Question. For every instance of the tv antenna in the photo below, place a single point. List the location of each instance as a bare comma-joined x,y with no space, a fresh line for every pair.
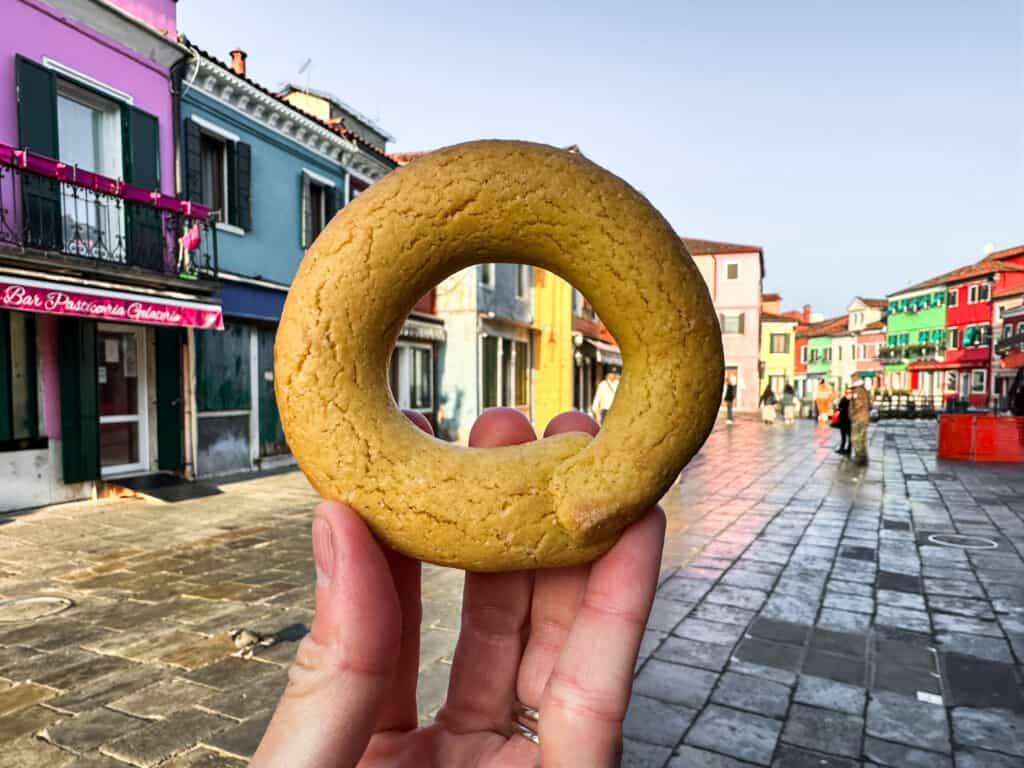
307,65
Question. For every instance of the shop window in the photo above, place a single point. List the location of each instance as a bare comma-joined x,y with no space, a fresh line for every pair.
318,205
978,381
952,298
19,418
412,377
780,343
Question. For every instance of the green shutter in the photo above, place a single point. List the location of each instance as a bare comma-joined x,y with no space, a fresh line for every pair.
79,399
169,422
6,417
222,369
141,133
242,186
193,161
37,108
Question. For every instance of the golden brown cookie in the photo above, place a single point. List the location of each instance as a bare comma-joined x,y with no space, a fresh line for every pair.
557,501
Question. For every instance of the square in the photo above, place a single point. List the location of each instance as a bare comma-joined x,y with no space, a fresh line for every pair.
769,654
839,668
740,734
824,730
752,694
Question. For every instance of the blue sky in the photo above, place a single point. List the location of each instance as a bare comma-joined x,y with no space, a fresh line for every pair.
864,145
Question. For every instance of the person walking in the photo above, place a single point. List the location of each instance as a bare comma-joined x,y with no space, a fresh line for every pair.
843,423
860,417
768,403
823,400
789,404
605,395
730,397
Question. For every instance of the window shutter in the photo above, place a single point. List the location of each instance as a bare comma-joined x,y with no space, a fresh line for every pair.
305,212
193,162
37,108
168,398
742,317
141,133
243,186
79,399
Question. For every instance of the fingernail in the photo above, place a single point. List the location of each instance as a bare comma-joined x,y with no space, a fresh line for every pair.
323,551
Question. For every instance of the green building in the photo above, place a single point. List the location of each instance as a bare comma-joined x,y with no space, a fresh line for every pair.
915,330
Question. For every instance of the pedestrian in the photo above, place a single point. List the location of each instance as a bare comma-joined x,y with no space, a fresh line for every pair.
789,404
351,697
605,395
768,403
843,422
860,417
823,400
730,397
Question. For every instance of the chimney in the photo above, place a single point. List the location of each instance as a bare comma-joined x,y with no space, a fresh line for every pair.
807,313
238,57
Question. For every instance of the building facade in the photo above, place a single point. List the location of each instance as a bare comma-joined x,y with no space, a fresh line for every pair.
1008,334
865,320
778,342
915,327
488,355
734,275
104,273
554,366
595,353
274,175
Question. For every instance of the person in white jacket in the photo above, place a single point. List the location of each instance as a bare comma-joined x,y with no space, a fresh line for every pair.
605,395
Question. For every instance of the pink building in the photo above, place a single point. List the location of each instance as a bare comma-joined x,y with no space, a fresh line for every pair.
734,274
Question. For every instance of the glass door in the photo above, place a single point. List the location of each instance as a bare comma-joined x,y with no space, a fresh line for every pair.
121,373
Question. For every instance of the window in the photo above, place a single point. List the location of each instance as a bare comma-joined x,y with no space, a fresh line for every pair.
505,378
356,187
19,419
839,353
978,293
972,335
577,303
828,355
985,334
218,169
486,272
522,281
922,337
951,298
893,306
214,158
732,271
978,380
1007,330
954,338
522,357
1020,328
732,324
780,343
412,377
892,340
815,355
938,297
904,339
937,336
951,381
983,292
319,204
803,355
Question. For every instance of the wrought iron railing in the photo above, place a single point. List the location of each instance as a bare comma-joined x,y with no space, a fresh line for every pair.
1010,344
51,207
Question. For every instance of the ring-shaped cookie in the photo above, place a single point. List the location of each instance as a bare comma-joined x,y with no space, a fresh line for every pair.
557,501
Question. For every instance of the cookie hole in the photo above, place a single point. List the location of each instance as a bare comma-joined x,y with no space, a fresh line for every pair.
502,335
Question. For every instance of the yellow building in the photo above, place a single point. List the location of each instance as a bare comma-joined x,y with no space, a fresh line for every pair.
553,350
778,340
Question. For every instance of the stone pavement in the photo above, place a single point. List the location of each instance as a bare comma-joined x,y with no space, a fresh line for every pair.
805,617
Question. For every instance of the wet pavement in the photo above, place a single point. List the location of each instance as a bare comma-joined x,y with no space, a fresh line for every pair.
810,613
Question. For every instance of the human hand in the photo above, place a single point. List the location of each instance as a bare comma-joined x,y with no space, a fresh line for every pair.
563,641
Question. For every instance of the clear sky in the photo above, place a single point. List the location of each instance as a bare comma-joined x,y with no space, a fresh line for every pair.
864,145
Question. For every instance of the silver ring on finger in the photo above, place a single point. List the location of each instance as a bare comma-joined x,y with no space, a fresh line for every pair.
525,721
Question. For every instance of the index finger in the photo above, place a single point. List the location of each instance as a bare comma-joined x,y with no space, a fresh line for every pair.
587,695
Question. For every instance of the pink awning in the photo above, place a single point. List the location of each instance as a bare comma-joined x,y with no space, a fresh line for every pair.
28,295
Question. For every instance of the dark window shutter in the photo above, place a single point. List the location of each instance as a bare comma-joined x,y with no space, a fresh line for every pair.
193,162
742,316
79,399
305,212
6,417
37,108
142,148
243,186
168,398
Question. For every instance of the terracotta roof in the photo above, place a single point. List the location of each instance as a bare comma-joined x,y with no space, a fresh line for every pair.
1007,253
878,325
874,303
768,317
713,247
334,126
1007,290
771,297
987,266
404,158
829,327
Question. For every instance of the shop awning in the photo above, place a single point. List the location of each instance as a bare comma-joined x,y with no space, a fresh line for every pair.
421,330
1013,360
84,300
939,365
604,353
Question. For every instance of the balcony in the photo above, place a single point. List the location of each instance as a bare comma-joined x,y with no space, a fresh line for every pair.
912,353
1010,344
61,217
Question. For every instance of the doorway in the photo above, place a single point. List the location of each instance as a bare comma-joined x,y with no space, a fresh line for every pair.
124,420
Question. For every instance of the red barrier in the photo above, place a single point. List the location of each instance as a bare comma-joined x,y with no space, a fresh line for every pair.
981,437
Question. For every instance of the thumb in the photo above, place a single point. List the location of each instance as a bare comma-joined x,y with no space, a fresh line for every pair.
343,668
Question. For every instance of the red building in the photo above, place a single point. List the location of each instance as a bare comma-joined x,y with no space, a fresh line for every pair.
967,362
